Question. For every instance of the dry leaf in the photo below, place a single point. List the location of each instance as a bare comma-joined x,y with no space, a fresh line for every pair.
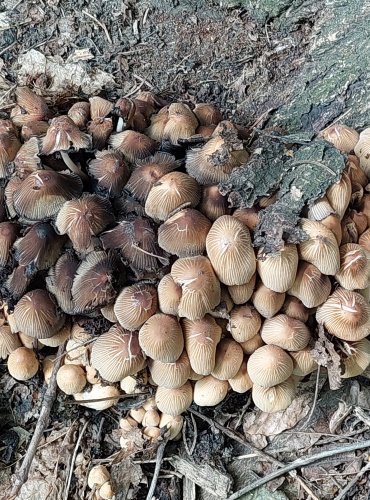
339,416
50,488
325,355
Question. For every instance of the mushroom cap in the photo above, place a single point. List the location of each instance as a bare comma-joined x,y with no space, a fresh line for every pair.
269,365
173,424
311,287
181,123
294,308
339,194
109,314
213,204
273,399
22,363
240,294
37,128
321,247
169,295
248,216
71,379
333,223
341,136
135,304
201,338
303,362
117,354
98,391
245,322
36,314
83,218
285,332
358,359
30,107
9,341
229,357
60,281
174,401
40,247
98,475
252,344
241,382
161,338
79,112
110,170
170,192
184,233
364,240
42,194
355,172
18,281
230,251
354,272
207,114
149,171
93,285
134,145
157,124
63,134
210,391
8,234
27,160
266,301
278,272
170,375
201,290
100,130
320,209
58,338
345,314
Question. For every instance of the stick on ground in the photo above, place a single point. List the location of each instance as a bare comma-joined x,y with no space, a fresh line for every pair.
158,463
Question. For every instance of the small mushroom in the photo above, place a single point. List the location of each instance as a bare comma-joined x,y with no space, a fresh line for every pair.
22,363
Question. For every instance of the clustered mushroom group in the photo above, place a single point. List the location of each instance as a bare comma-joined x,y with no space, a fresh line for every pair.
113,211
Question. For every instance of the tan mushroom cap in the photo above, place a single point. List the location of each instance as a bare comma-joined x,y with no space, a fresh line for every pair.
358,359
9,341
278,272
201,290
184,234
36,314
230,251
269,365
303,362
117,354
320,209
201,339
210,391
59,338
109,314
172,191
242,382
333,223
248,216
245,322
71,379
341,136
213,205
134,145
285,332
242,293
106,491
266,301
135,305
229,357
161,338
354,272
169,295
170,375
98,475
311,287
339,194
346,314
252,344
355,172
294,308
22,363
274,399
106,393
181,123
173,424
321,247
79,113
174,401
207,114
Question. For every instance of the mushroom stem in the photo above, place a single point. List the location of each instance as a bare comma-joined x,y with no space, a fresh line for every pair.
72,166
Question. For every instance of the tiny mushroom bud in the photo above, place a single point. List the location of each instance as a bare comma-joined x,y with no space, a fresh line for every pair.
22,363
71,379
101,397
98,475
173,424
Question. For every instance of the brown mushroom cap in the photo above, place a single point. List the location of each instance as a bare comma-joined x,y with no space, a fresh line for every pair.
30,107
210,391
303,362
273,399
161,338
170,375
240,294
339,194
341,136
174,401
278,272
346,314
22,363
241,382
354,272
36,315
266,301
80,113
27,160
58,338
110,170
252,344
133,145
294,308
229,357
269,365
8,235
117,354
355,172
135,304
310,286
158,122
60,280
172,191
207,114
71,379
184,234
321,247
213,204
332,222
9,341
63,134
285,332
358,358
201,290
230,251
181,122
169,295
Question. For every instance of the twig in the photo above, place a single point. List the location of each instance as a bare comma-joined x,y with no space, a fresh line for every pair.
314,399
99,23
21,476
301,462
353,481
158,463
70,472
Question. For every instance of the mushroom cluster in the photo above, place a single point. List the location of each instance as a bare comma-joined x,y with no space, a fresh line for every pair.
111,215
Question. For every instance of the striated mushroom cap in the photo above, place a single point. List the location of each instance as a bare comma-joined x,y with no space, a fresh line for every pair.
174,401
245,322
285,332
274,399
269,365
229,357
170,375
310,286
278,272
210,391
354,271
135,304
161,338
